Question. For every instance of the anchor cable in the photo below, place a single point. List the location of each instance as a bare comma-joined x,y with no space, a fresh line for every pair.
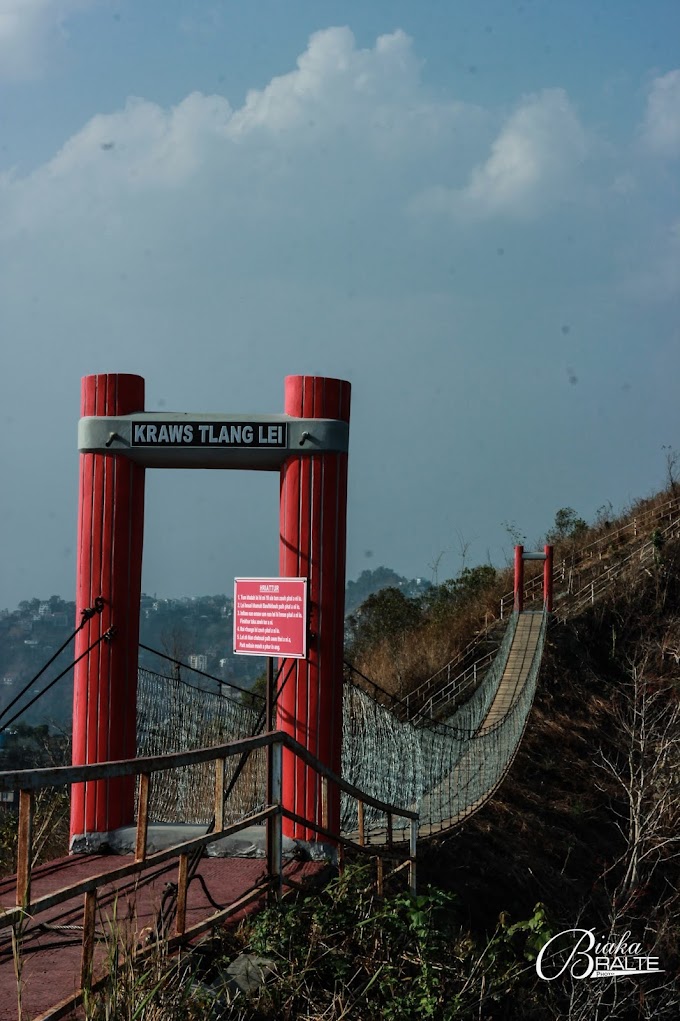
106,637
86,614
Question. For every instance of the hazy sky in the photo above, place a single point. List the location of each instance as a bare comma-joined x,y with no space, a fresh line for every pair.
470,210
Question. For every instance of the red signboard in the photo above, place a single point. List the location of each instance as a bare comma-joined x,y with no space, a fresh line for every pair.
270,617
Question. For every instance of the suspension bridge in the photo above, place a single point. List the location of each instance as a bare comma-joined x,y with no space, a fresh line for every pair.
225,805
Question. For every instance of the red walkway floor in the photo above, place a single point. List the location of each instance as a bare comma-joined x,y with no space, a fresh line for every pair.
50,956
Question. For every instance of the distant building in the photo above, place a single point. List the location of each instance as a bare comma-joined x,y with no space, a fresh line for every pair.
9,801
198,661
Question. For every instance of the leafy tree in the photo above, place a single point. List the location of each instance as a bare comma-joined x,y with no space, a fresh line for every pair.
255,698
384,614
568,525
368,583
29,605
456,592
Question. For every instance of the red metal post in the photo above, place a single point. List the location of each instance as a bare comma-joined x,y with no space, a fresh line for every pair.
519,579
548,578
109,564
313,537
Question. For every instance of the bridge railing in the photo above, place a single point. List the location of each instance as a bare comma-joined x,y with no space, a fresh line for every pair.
29,782
588,591
463,670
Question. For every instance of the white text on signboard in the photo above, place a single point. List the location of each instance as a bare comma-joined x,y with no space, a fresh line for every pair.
270,617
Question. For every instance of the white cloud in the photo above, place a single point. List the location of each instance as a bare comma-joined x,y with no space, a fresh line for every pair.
332,68
28,28
532,163
340,95
346,125
661,125
215,249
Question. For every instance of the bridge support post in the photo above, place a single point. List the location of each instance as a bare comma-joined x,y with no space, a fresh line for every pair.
109,565
312,544
548,579
519,579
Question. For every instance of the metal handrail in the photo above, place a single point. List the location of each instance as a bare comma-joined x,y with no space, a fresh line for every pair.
420,694
586,594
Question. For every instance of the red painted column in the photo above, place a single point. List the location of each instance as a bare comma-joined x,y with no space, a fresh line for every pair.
519,579
109,564
313,521
548,578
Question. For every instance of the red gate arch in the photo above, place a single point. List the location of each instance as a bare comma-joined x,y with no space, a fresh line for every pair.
118,441
547,557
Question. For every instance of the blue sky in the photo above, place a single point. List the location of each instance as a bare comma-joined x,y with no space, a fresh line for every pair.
469,210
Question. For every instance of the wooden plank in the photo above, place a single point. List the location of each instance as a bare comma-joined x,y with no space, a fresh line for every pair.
13,915
89,916
220,765
35,779
345,841
324,802
59,776
66,1006
24,848
142,817
182,881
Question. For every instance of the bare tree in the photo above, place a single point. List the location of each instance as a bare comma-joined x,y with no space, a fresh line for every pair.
672,462
434,565
175,643
647,721
640,775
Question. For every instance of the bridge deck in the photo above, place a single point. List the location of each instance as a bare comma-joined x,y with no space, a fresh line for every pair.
520,658
50,955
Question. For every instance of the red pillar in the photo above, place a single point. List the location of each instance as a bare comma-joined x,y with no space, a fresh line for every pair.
109,564
313,534
548,578
519,579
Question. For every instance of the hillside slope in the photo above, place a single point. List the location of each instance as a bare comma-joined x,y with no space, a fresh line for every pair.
588,819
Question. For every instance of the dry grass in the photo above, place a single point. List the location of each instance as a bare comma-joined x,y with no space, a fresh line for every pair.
399,664
50,829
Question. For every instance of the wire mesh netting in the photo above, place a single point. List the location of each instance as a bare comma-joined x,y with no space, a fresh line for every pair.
442,769
485,757
173,716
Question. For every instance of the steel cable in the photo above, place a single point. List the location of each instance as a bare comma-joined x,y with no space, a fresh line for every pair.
106,637
86,615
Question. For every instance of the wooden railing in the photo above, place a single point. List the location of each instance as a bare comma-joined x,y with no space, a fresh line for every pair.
28,782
